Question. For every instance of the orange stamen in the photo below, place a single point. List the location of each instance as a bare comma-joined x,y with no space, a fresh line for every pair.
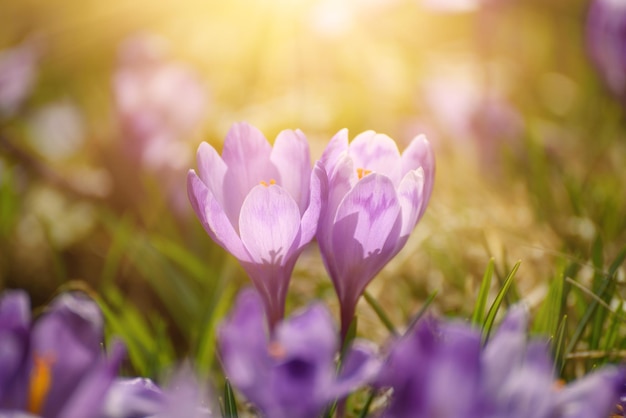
276,350
362,172
264,183
40,382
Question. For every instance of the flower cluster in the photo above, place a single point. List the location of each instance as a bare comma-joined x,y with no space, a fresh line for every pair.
361,201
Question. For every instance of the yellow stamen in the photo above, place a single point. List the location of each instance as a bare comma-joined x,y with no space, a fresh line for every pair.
264,183
276,350
362,172
40,381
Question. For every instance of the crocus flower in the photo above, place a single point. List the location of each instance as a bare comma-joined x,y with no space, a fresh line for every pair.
375,197
292,372
260,203
606,40
54,367
441,369
139,397
160,103
18,71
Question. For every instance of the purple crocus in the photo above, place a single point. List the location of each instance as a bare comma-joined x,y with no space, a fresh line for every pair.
54,367
159,102
260,203
292,372
606,39
441,369
375,197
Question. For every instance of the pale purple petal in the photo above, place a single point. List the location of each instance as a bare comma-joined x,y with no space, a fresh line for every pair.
211,170
419,153
292,158
410,195
336,148
247,155
213,217
269,224
132,398
14,336
377,153
367,220
317,201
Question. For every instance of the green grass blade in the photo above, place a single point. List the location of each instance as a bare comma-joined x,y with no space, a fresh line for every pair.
368,404
380,312
230,404
493,310
483,294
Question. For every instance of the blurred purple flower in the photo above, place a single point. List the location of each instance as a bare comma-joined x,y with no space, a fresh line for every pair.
293,373
441,369
260,203
160,103
54,368
18,71
606,39
138,398
375,198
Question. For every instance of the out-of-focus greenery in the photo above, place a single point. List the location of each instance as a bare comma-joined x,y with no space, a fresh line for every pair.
531,154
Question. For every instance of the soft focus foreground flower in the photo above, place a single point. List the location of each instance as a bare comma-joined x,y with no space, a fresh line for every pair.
54,368
291,374
261,203
606,37
160,103
375,198
138,397
18,71
441,369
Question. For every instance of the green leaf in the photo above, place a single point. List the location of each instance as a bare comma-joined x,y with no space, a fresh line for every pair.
493,310
230,404
380,312
483,294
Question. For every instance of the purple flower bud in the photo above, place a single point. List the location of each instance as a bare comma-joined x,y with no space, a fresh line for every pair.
606,39
260,203
291,374
375,197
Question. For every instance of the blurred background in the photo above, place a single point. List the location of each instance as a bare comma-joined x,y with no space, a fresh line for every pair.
103,104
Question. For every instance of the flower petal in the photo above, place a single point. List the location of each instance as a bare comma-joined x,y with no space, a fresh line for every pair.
67,340
595,395
317,201
213,217
133,397
366,229
269,224
377,153
410,195
242,341
359,367
211,170
337,146
419,153
292,158
247,155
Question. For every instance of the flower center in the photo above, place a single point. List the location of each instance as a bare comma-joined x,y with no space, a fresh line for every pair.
362,172
276,350
40,380
264,183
